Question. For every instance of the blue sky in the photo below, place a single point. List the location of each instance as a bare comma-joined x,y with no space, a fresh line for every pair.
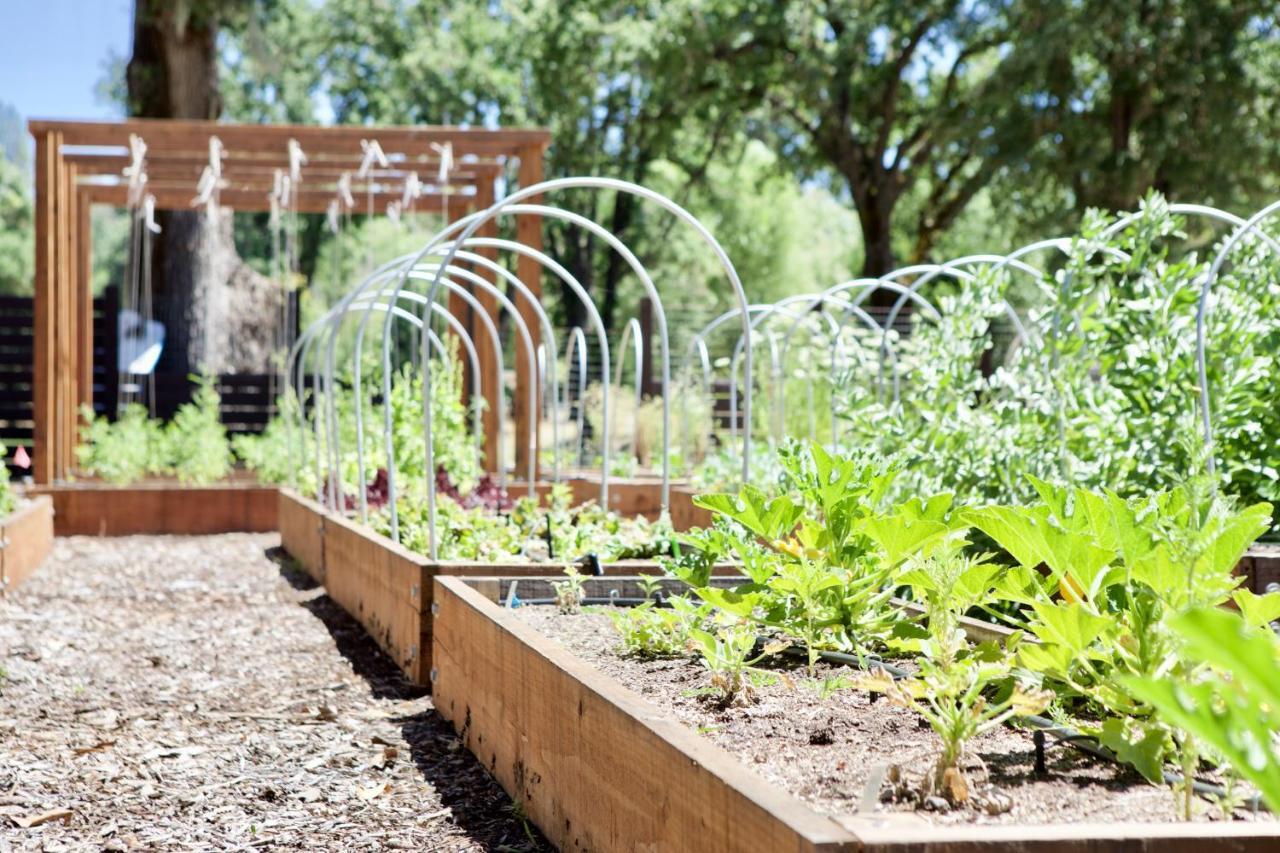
52,54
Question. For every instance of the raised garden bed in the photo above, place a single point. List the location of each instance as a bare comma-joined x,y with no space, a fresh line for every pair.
684,515
598,766
386,587
1261,565
26,536
95,508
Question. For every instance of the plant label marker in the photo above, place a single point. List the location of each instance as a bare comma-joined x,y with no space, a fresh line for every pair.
871,794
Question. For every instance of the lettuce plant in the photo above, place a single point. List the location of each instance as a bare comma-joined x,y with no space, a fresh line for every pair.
652,632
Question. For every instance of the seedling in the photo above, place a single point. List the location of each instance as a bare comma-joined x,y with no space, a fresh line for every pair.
649,631
569,592
727,655
952,699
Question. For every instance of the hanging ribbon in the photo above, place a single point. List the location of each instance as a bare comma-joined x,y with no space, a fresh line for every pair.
344,190
217,151
372,154
136,171
331,216
412,190
393,212
446,160
205,188
277,197
149,214
297,160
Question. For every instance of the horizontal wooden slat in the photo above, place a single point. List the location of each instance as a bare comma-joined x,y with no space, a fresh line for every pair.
194,136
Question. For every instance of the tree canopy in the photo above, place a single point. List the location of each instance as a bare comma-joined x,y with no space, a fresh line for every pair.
940,126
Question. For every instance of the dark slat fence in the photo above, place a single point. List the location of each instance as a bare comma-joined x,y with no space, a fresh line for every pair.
247,399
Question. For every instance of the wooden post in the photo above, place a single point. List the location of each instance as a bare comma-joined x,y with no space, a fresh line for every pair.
68,316
528,232
84,297
490,380
45,332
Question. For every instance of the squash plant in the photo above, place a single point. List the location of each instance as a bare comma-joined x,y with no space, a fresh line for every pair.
1115,572
952,689
820,559
1233,704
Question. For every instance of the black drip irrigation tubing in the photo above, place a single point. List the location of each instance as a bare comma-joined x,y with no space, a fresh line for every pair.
1063,734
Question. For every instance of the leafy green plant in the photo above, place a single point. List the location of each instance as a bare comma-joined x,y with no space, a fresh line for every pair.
193,445
819,560
726,654
650,585
1075,399
1116,572
530,532
275,453
569,592
125,450
1233,704
952,697
195,441
952,689
649,631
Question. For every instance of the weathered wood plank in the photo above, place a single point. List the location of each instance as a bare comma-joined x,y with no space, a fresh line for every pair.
98,509
684,515
909,834
594,765
26,537
302,531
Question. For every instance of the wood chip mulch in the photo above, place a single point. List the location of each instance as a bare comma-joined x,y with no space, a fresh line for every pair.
198,693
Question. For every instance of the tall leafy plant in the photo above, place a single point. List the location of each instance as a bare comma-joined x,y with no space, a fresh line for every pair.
1096,581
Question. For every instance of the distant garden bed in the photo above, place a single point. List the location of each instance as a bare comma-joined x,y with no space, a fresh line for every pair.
26,536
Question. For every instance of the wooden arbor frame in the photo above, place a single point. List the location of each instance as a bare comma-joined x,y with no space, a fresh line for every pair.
78,164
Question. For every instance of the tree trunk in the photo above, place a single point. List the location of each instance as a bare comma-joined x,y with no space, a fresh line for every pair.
874,202
215,308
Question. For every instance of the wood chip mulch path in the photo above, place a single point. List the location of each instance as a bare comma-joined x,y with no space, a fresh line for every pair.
197,693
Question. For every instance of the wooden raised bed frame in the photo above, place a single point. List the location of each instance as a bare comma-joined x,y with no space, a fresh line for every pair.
383,585
94,508
26,537
598,767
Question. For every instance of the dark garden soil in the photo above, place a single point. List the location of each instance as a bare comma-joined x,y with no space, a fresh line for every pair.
196,693
824,750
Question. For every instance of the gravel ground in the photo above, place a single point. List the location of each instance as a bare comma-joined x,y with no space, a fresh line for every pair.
197,693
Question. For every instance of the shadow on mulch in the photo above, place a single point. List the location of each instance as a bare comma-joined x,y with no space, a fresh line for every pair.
290,570
477,802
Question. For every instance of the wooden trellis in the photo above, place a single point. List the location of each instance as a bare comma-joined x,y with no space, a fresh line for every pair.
79,164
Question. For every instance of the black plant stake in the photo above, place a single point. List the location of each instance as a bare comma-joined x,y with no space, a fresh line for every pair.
551,545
